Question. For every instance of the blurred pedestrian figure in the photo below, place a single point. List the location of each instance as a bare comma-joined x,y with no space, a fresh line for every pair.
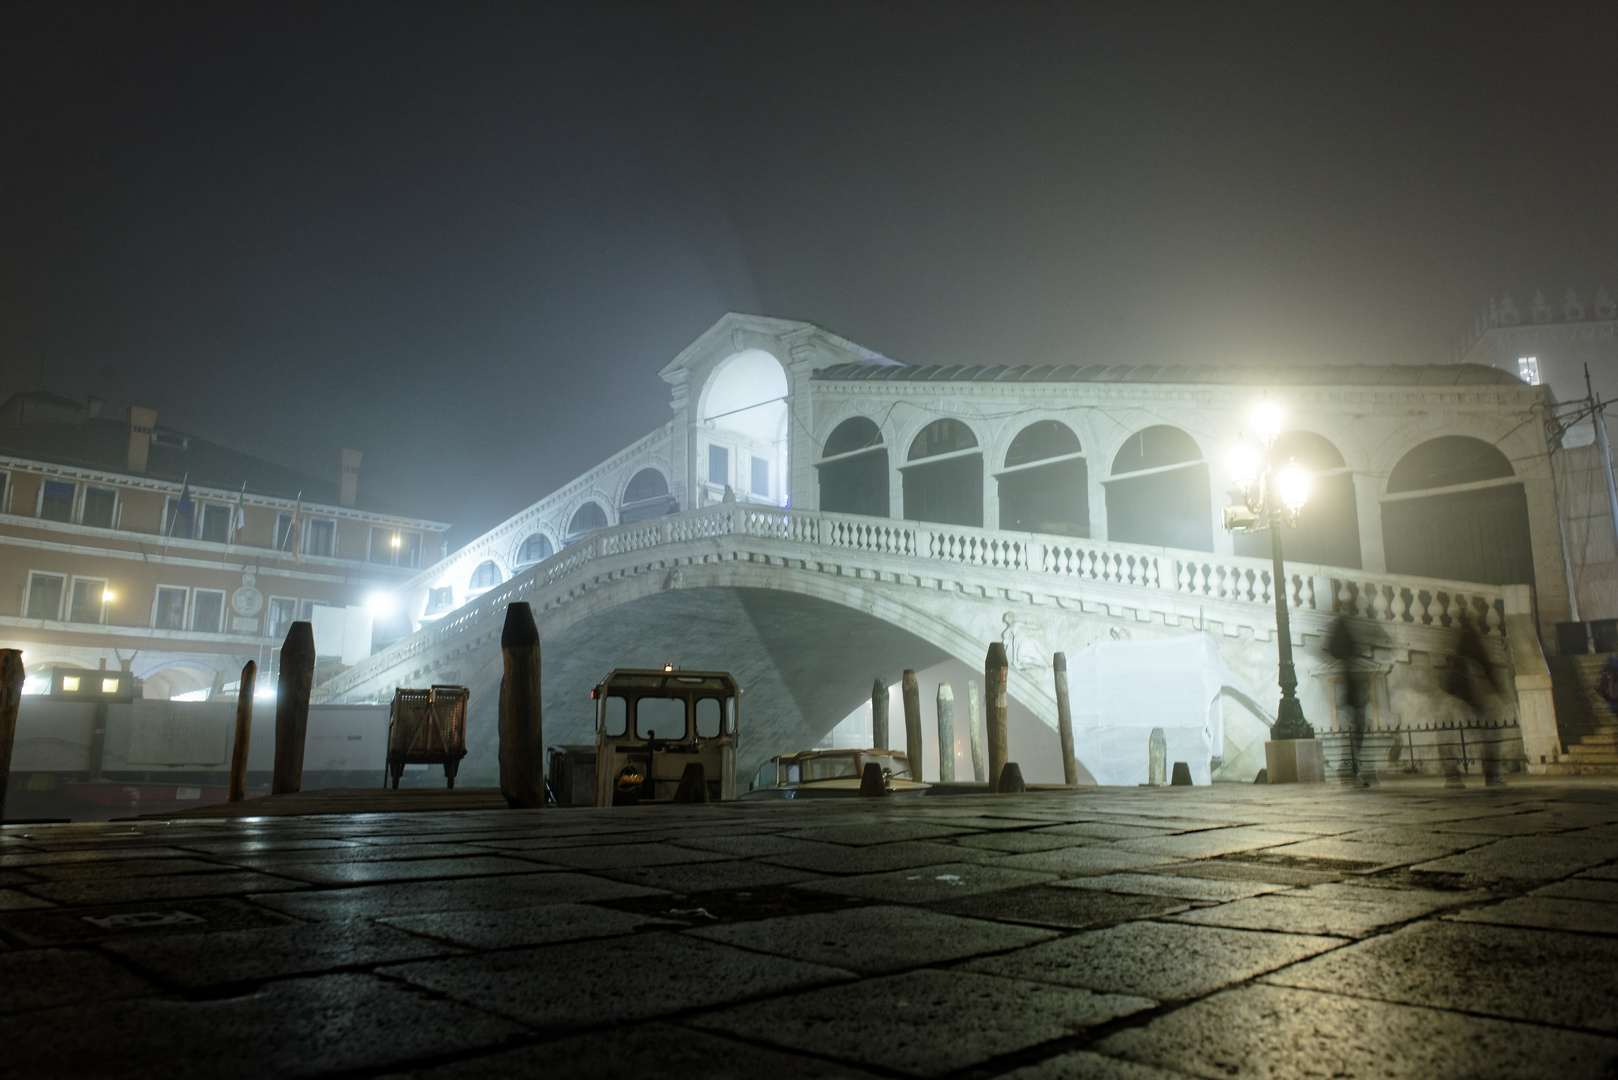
1472,677
1345,649
1607,683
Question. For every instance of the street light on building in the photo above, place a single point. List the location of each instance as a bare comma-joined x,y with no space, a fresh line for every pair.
1271,497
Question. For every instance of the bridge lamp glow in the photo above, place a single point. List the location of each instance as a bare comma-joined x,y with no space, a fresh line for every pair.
1267,417
1245,462
381,603
395,540
107,596
1292,484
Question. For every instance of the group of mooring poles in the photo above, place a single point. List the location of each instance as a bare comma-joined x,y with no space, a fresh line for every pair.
522,743
987,760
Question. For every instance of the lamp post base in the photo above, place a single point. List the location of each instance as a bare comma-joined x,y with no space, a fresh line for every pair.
1295,761
1289,721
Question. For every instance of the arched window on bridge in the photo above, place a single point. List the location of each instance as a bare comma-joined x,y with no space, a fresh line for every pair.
853,469
586,520
1158,492
536,548
1328,530
486,576
647,496
1045,484
1455,509
943,475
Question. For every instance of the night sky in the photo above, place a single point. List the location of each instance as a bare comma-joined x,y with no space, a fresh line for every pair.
464,237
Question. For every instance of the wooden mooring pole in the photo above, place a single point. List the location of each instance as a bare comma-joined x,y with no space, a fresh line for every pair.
12,676
1064,721
292,686
946,734
879,715
522,738
244,732
974,725
995,670
911,692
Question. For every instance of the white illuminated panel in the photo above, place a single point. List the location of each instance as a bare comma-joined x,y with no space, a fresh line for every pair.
1528,369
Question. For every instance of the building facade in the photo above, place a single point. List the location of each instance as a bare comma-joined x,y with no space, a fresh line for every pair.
129,546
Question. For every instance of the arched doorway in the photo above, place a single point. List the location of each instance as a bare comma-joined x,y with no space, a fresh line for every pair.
1045,486
1455,509
646,496
853,469
586,520
1328,530
943,475
1158,492
743,445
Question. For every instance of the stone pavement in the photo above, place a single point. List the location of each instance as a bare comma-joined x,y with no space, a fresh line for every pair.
1233,931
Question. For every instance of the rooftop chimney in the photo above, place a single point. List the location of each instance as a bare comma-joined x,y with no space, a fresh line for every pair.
348,486
141,423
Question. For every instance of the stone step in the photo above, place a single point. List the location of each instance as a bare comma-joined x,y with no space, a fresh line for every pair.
1571,768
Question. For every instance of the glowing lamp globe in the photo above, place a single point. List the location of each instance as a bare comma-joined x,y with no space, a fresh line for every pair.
1267,417
1244,461
1292,484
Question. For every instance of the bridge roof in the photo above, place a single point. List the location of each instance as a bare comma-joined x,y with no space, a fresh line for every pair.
1299,375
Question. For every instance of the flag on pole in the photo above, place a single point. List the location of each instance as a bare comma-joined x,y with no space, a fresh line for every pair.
238,520
183,508
295,530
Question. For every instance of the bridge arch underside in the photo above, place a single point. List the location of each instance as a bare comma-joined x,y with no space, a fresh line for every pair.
804,663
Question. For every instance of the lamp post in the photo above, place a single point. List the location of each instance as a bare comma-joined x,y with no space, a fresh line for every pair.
1272,496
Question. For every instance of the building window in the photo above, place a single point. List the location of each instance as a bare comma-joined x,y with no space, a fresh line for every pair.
320,537
282,614
486,576
395,547
761,477
98,507
207,610
87,601
718,465
56,501
1528,369
5,491
216,523
170,613
44,596
536,548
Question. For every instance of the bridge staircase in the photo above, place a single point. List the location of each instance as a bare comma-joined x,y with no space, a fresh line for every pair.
1587,727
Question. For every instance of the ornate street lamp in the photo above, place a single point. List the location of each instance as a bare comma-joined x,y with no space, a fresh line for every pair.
1271,496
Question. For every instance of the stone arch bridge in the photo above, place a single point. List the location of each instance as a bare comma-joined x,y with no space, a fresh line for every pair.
814,513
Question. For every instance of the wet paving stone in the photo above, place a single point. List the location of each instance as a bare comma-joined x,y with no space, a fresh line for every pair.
1540,858
1084,1065
63,926
712,876
1547,913
295,1028
1060,907
1274,1032
119,890
1164,961
191,961
46,978
912,1023
613,980
1494,970
922,884
666,1051
545,924
1339,909
479,894
355,873
875,940
876,858
1183,887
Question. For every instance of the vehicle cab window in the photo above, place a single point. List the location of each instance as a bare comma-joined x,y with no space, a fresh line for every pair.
616,720
765,777
660,718
710,718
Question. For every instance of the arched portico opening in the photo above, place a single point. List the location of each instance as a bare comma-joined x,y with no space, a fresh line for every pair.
1158,492
743,445
943,475
646,496
1328,530
1455,509
586,520
536,547
1044,486
853,469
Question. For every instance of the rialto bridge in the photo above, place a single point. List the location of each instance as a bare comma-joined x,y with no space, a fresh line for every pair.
814,514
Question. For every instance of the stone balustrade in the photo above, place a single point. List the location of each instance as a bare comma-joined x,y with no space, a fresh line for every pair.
1156,580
